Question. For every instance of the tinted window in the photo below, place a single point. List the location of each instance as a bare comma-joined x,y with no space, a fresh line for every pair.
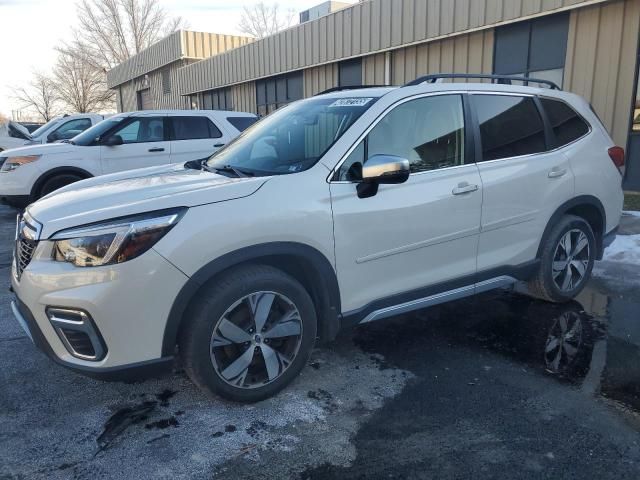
142,130
72,128
193,128
567,125
509,126
350,73
242,123
429,132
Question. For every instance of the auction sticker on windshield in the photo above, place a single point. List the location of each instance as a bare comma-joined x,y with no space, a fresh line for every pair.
351,102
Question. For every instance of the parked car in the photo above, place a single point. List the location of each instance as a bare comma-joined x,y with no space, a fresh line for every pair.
12,135
31,126
65,127
122,142
338,210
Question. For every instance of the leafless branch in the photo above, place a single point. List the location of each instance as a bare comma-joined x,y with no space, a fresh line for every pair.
261,20
40,96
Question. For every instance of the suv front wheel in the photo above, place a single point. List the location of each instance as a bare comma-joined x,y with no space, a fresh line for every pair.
566,262
248,334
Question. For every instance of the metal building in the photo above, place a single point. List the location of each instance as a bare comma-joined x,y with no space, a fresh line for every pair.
590,47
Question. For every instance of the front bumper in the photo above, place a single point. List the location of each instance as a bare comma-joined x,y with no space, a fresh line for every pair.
129,303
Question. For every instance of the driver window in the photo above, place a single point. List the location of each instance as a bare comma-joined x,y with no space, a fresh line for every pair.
429,132
72,128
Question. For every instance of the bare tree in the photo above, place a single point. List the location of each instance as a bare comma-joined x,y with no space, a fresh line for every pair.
80,85
111,31
262,20
40,96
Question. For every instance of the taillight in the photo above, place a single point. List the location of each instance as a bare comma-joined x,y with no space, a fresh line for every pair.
617,156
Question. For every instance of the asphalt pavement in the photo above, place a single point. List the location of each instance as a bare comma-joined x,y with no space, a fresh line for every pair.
499,386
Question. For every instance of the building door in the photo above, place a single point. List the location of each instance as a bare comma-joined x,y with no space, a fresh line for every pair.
632,175
144,100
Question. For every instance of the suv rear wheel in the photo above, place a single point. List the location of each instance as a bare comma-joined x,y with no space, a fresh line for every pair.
566,262
248,334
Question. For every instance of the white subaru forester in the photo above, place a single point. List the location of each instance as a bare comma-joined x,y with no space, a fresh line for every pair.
341,209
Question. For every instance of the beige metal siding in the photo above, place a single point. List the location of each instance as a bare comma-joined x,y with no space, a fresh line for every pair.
373,69
472,53
600,64
379,25
244,97
176,46
320,78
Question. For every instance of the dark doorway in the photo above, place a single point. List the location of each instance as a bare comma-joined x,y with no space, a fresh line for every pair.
632,175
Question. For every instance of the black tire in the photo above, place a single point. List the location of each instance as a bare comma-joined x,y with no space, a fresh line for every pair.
213,301
542,285
56,182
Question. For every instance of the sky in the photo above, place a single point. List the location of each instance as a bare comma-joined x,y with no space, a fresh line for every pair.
32,28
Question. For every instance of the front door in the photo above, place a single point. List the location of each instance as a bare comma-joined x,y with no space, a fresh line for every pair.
145,144
408,240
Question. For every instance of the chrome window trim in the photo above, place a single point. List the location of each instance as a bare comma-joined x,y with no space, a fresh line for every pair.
378,120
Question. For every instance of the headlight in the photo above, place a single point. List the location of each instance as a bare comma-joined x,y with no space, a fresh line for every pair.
12,163
113,242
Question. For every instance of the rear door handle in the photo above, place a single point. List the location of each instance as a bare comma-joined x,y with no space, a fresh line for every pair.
463,188
218,145
154,150
557,172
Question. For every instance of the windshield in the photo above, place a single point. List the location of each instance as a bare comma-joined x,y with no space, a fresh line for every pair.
87,137
46,126
293,138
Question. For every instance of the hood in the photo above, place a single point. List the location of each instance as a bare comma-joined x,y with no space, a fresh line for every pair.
41,149
136,191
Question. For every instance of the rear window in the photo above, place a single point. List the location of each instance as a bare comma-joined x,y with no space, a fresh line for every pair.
567,125
242,123
510,126
194,128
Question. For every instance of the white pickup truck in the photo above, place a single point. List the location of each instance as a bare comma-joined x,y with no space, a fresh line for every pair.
64,127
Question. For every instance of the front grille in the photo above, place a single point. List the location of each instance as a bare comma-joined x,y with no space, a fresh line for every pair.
24,254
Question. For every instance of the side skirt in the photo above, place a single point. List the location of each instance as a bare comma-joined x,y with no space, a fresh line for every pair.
438,294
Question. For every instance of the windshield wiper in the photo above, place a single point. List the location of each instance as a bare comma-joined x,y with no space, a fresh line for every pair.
228,169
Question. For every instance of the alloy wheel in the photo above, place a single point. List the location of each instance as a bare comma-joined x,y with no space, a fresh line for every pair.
571,260
256,339
563,342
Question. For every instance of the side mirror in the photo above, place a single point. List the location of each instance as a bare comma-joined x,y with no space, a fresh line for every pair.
382,170
112,141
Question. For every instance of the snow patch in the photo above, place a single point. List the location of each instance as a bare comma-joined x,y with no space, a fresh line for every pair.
632,213
624,249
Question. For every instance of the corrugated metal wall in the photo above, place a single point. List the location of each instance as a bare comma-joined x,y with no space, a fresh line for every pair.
178,45
600,65
244,97
471,53
321,78
364,28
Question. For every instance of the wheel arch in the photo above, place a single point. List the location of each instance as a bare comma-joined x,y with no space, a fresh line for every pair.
306,264
587,207
37,186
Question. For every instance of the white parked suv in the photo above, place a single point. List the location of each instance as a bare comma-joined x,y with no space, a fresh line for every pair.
341,209
122,142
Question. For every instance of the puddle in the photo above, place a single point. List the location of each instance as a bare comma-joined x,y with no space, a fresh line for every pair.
591,343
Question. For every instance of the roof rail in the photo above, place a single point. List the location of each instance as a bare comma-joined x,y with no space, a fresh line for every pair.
350,87
502,79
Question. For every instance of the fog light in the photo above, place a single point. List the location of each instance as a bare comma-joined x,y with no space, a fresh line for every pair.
78,333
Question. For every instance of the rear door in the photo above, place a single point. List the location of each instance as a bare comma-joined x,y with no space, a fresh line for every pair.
194,137
523,180
145,144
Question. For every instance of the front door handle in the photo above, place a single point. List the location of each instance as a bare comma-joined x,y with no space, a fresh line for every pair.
557,172
154,150
463,188
218,145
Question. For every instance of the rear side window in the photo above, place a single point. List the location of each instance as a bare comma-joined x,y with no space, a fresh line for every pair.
194,128
510,126
567,125
242,123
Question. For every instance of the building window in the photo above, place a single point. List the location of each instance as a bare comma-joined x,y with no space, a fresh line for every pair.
274,92
220,99
350,73
636,104
166,81
194,102
535,48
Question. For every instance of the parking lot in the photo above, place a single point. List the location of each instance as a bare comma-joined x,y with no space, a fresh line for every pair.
473,388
